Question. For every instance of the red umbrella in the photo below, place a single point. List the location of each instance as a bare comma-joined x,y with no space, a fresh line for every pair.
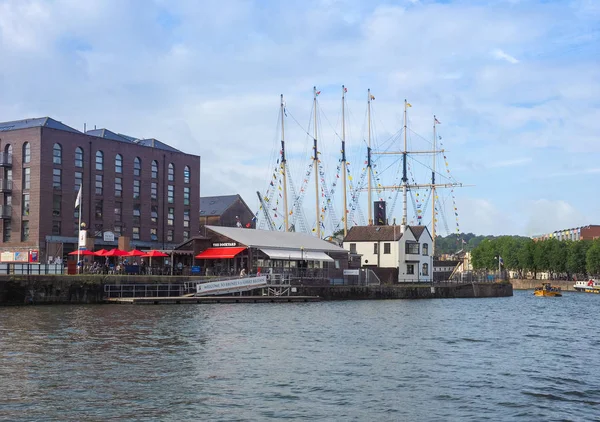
115,252
136,252
84,252
155,254
101,252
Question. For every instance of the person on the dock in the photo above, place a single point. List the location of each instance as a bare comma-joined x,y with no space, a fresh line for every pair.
243,272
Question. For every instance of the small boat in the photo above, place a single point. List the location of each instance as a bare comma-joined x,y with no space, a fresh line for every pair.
587,286
546,289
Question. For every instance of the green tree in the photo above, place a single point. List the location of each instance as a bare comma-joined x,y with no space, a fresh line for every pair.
576,256
526,256
593,258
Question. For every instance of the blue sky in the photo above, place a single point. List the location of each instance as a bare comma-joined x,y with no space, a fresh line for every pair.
516,85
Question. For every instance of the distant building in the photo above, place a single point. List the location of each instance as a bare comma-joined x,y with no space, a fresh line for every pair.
589,232
388,247
226,211
139,188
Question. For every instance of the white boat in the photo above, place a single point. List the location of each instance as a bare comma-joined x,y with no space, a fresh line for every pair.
588,286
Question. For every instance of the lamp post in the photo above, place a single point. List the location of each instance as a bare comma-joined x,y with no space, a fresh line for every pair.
499,258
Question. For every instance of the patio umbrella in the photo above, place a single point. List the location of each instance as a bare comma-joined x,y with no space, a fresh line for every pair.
115,252
84,252
101,252
136,252
155,254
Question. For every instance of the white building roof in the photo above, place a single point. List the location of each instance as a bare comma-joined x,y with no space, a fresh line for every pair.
276,240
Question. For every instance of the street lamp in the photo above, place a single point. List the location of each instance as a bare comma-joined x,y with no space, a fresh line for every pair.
302,265
499,258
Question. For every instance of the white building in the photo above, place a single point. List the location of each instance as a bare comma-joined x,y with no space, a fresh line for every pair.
391,247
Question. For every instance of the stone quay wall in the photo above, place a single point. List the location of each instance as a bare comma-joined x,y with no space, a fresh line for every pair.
521,284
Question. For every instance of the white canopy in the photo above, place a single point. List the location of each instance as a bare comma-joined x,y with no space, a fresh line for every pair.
296,255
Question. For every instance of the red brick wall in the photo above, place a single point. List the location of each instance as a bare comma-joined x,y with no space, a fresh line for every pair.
590,232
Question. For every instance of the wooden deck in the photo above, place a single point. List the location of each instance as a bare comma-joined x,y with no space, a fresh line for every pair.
211,299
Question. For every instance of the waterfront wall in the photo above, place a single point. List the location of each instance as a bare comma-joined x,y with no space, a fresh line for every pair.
448,291
565,285
54,289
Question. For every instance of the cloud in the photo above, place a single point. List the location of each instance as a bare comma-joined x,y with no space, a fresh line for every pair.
206,78
544,216
501,55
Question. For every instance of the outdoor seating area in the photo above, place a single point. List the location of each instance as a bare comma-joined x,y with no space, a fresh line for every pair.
117,261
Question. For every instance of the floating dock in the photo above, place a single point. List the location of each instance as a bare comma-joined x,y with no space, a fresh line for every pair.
181,300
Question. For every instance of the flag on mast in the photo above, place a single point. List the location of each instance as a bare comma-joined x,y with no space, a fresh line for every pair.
436,120
78,200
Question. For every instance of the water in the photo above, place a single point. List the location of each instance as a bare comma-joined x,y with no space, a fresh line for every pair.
518,358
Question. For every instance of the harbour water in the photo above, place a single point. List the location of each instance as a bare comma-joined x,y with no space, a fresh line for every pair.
514,358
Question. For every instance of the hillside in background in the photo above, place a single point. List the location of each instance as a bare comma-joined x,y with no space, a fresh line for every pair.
453,243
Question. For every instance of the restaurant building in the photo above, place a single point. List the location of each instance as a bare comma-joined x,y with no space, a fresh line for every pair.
225,251
143,189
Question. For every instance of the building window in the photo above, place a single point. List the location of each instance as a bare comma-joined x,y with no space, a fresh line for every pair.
57,154
26,178
76,228
412,248
425,249
375,248
186,218
25,204
79,157
425,269
170,194
410,269
137,166
99,161
117,231
153,234
24,231
154,214
137,210
118,187
186,235
186,196
154,191
352,247
171,217
56,205
98,230
155,169
171,174
56,228
26,152
7,231
99,184
118,163
76,213
118,207
169,235
387,248
57,179
98,209
135,233
78,180
136,189
186,174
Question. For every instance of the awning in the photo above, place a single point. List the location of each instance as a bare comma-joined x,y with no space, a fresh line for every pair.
219,253
297,255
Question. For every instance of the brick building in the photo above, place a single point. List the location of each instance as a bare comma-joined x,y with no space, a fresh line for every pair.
226,211
139,188
589,232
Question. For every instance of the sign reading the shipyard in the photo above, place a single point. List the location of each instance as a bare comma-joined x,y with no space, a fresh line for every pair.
231,286
224,244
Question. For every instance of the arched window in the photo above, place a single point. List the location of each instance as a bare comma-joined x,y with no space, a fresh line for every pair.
26,152
425,269
57,154
118,163
155,169
137,166
99,161
186,174
171,175
78,157
8,149
425,249
7,154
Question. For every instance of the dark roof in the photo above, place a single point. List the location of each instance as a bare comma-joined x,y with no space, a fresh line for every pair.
107,134
417,231
216,205
373,233
36,122
155,143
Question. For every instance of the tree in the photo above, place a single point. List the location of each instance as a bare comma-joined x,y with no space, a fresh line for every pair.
593,258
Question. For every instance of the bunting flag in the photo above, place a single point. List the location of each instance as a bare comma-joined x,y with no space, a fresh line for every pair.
408,104
345,89
318,92
436,120
373,97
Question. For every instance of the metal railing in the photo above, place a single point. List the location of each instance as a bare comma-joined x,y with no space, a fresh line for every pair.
24,269
5,211
5,159
6,185
146,290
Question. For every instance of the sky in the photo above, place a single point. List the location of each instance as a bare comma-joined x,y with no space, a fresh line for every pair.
514,83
